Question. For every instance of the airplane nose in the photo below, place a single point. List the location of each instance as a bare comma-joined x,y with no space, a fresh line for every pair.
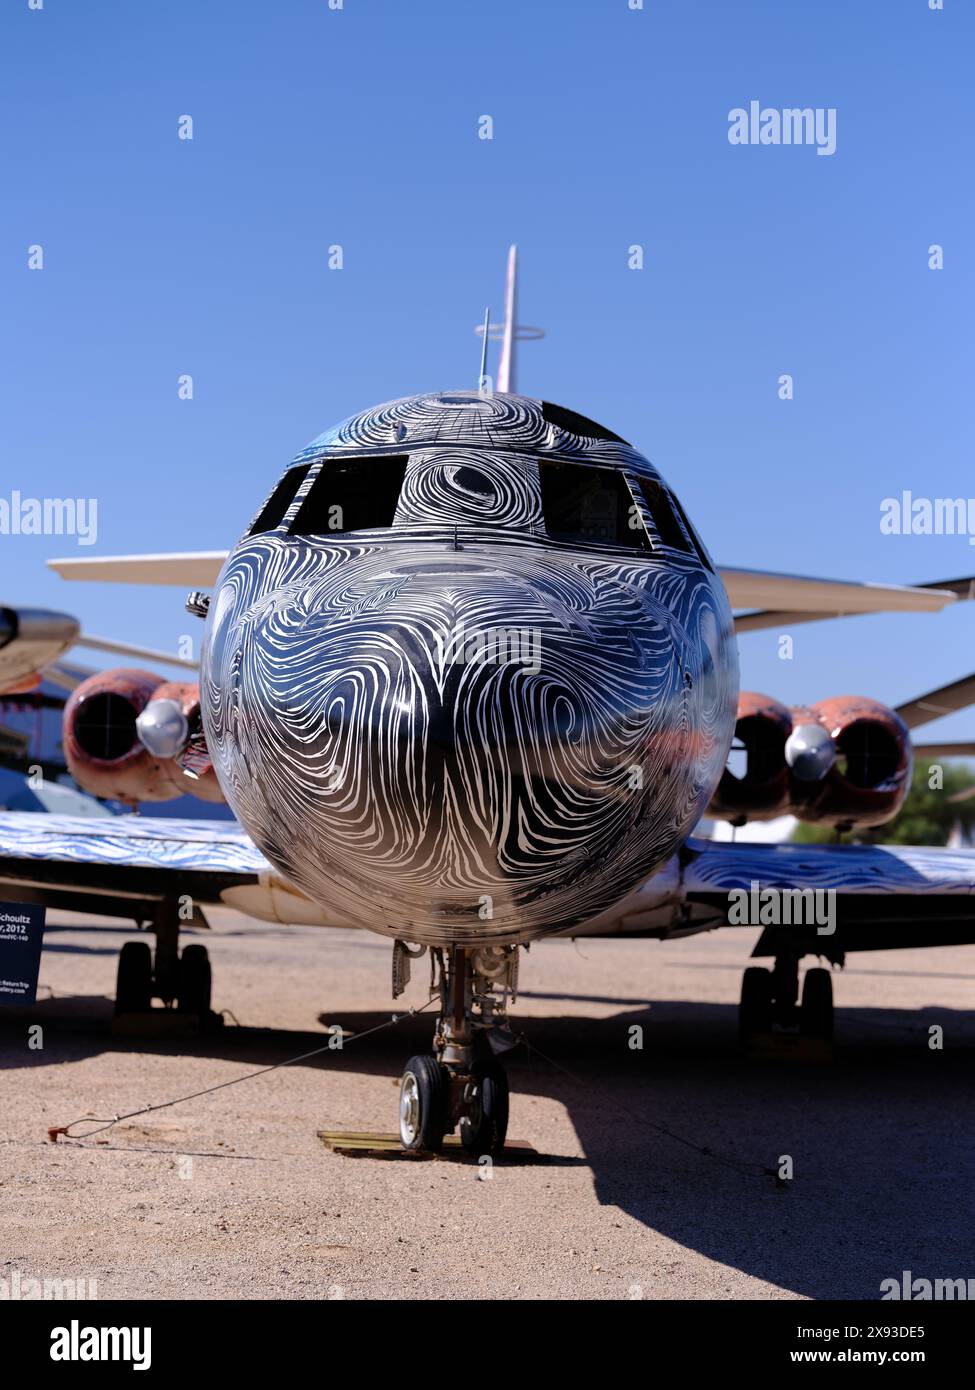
474,692
455,743
440,704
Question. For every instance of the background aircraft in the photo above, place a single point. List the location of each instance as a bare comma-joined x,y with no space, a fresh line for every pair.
37,681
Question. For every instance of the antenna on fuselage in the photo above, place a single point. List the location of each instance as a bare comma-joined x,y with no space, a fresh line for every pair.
510,331
482,378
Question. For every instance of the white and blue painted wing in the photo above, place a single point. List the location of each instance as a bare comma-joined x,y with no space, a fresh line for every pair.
847,869
881,896
133,856
188,846
865,897
86,864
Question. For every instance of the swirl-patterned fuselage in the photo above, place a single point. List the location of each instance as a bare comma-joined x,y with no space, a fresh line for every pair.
458,727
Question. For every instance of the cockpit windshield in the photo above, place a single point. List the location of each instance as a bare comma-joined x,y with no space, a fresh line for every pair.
352,494
593,505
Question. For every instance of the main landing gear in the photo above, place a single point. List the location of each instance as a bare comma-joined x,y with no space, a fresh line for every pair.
770,998
180,978
462,1085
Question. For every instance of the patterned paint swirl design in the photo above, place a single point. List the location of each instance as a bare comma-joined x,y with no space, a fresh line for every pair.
422,776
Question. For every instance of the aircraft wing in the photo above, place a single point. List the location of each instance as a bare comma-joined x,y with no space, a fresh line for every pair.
784,596
109,644
963,590
194,569
872,870
760,589
947,699
886,896
72,861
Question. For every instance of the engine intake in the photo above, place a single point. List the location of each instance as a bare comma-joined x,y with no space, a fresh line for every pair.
871,775
844,761
102,747
761,790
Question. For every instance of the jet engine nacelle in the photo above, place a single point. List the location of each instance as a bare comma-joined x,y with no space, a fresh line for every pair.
103,748
762,791
868,779
844,761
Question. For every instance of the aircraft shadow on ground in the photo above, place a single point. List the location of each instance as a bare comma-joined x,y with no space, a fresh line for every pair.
677,1135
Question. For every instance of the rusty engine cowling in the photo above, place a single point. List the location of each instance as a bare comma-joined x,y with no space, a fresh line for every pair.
844,761
762,791
102,746
871,774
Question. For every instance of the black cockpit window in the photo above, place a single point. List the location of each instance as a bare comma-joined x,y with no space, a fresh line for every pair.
695,538
668,514
590,504
577,424
352,494
276,507
664,517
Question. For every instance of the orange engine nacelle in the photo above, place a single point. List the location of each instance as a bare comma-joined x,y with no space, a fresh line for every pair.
867,783
101,742
761,791
844,761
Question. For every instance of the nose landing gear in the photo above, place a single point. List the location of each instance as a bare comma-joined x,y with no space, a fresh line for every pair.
462,1085
423,1094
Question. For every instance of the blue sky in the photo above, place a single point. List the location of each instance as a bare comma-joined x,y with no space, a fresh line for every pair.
359,127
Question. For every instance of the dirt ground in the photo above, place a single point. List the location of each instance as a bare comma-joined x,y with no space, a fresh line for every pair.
650,1182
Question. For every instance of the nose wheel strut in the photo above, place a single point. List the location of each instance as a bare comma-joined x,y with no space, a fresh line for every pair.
462,1085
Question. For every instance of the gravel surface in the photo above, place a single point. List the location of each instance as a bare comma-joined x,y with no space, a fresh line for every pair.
650,1181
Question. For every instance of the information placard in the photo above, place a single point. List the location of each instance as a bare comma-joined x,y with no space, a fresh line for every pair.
21,938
